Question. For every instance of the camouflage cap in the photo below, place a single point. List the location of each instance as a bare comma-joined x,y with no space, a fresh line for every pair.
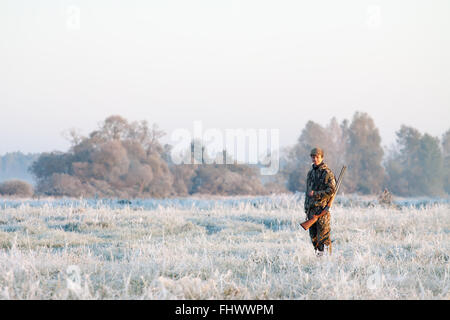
317,151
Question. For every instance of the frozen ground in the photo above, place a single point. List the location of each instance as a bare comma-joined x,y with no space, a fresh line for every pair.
226,248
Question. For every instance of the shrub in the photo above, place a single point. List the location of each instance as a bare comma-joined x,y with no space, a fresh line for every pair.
16,188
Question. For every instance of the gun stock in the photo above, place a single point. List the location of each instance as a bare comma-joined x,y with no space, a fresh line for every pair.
308,223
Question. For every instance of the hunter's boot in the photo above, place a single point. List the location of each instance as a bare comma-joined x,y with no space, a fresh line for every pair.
319,250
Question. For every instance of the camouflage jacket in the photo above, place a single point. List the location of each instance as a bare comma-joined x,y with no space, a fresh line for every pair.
321,180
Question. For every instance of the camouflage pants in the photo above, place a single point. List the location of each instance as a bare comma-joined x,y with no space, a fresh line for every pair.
320,231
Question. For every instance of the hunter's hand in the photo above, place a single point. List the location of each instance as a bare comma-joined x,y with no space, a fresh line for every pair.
311,193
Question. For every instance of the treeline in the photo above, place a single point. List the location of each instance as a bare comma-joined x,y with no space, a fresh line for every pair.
126,159
417,165
123,159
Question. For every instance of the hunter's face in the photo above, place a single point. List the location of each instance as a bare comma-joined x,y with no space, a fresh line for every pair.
316,159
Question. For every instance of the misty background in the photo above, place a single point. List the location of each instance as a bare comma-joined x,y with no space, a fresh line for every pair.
231,64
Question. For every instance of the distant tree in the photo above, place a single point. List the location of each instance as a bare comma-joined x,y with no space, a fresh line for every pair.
337,144
446,158
417,167
119,159
63,184
229,179
50,163
183,175
402,159
446,143
16,188
395,179
15,165
114,128
432,165
204,176
162,183
138,177
364,156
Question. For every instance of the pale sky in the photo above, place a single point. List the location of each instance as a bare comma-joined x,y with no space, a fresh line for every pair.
230,64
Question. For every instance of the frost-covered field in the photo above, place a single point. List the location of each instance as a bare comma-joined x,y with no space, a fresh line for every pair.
220,250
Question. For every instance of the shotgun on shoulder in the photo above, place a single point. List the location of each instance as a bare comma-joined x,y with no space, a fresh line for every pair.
308,223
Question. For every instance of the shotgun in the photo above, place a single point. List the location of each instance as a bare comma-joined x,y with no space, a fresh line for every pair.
308,223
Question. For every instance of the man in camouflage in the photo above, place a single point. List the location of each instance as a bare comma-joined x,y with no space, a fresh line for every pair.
320,187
